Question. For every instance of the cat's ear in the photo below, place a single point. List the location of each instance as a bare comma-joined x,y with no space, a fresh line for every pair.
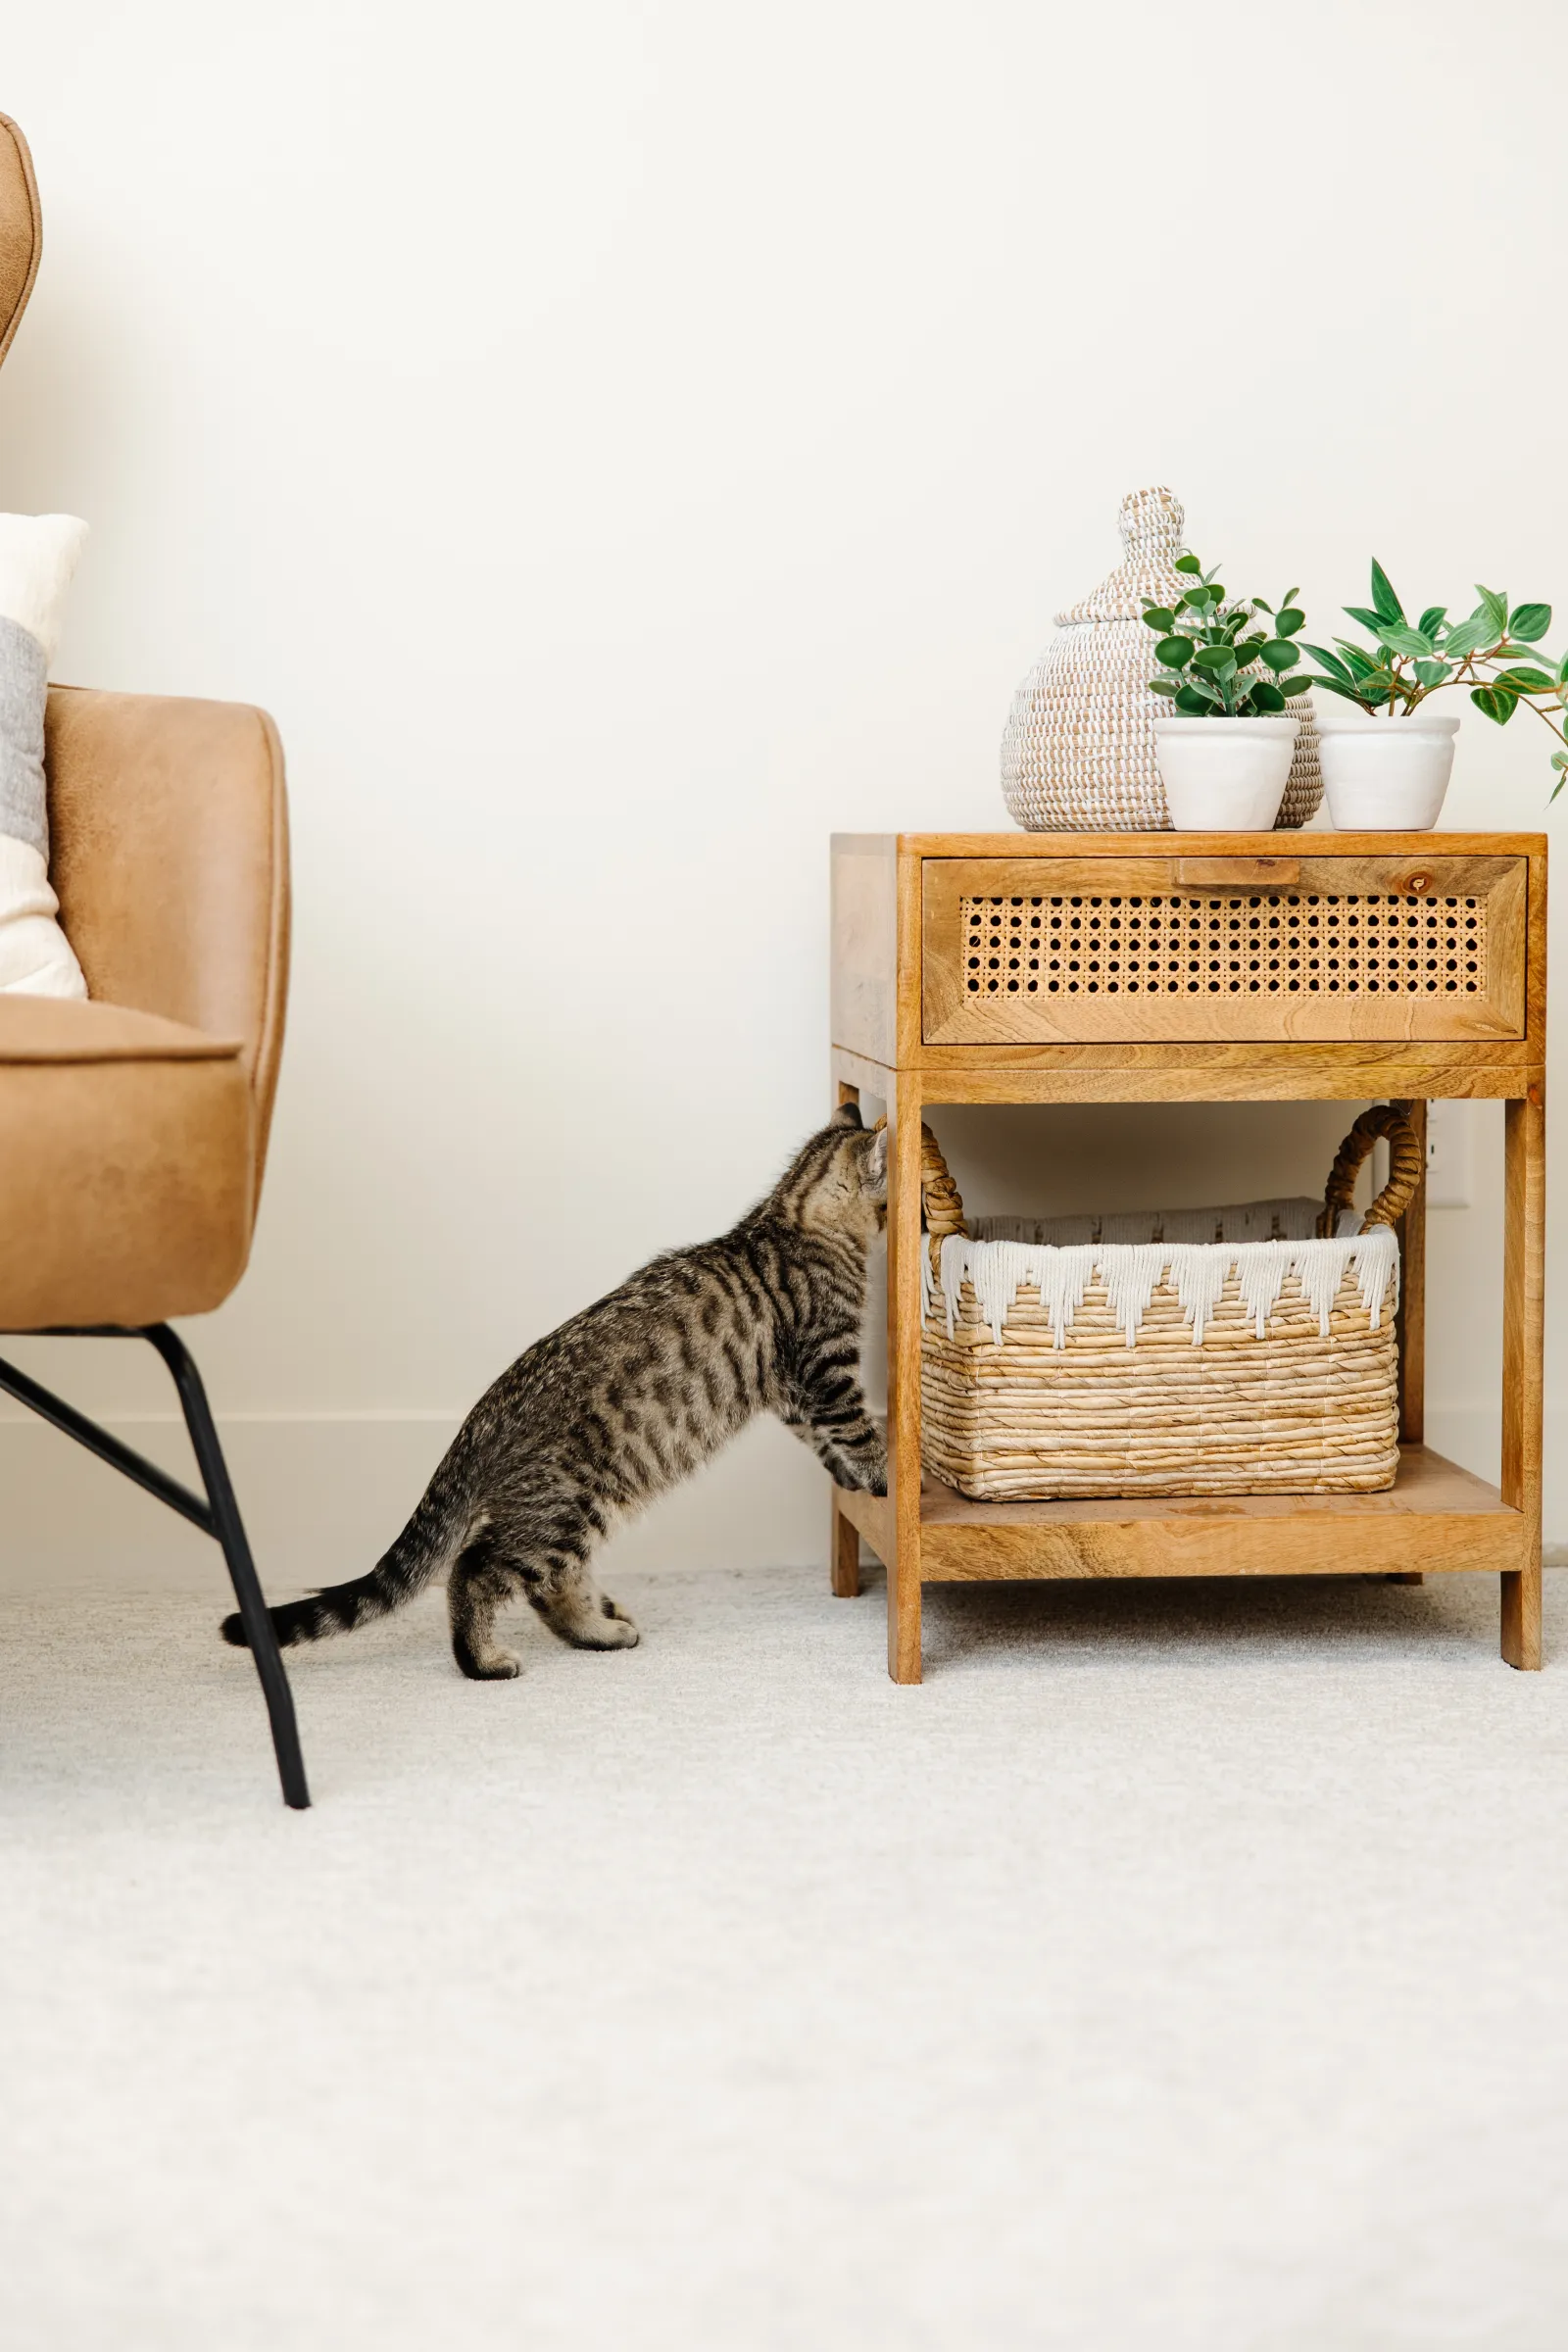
877,1161
848,1114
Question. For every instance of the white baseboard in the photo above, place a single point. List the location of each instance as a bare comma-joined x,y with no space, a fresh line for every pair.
324,1496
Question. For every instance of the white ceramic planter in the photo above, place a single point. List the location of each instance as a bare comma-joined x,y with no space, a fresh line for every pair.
1224,776
1382,774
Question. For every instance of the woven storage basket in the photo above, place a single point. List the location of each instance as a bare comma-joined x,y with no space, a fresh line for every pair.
1079,752
1170,1365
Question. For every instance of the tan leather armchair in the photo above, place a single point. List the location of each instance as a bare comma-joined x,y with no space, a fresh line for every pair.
133,1127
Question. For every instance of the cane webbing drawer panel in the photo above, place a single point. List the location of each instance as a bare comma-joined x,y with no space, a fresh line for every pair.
1028,951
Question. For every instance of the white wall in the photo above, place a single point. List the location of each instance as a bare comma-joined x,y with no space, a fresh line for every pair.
622,444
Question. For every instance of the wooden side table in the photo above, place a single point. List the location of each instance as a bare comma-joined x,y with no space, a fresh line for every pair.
1218,967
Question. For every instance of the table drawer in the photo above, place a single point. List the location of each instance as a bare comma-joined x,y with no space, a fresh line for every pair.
1031,950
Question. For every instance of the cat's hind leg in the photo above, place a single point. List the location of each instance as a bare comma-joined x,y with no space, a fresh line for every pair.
571,1604
539,1545
560,1584
481,1581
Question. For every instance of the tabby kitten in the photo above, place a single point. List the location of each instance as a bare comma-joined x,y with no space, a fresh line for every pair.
632,1396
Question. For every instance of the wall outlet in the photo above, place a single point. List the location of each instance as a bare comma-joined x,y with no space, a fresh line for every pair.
1450,1154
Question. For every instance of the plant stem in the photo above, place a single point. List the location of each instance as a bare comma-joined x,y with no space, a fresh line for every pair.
1546,719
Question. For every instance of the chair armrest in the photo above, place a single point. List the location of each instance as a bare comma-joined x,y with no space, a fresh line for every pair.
168,852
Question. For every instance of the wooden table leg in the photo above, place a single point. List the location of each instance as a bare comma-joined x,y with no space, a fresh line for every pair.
845,1554
1523,1291
1412,1320
904,1378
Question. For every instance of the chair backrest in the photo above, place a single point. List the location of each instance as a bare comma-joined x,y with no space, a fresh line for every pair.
168,822
21,230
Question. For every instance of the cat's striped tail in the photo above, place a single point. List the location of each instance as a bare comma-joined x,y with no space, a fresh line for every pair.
431,1540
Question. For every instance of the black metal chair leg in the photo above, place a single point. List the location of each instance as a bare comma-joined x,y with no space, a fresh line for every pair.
231,1531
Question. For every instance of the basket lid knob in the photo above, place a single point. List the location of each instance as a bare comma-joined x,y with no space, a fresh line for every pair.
1151,524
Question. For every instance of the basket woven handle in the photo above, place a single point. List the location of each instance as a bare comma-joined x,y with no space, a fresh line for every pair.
938,1197
1407,1168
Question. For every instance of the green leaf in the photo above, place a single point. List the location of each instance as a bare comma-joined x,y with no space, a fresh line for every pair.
1494,703
1467,637
1289,599
1260,604
1300,682
1528,622
1220,658
1431,673
1289,620
1347,694
1266,698
1432,618
1387,604
1368,620
1279,653
1331,661
1494,608
1359,664
1160,685
1559,758
1174,652
1562,671
1190,564
1197,702
1400,638
1158,616
1525,678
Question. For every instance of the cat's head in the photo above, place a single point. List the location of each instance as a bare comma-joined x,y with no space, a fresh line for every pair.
837,1181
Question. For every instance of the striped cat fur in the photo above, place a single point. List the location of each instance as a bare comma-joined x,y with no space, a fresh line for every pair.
629,1398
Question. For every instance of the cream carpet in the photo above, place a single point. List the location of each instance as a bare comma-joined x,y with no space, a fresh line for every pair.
1177,1968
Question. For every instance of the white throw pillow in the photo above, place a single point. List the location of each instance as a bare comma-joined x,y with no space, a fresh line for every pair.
37,557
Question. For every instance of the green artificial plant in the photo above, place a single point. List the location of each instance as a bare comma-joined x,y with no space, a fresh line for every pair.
1210,652
1493,652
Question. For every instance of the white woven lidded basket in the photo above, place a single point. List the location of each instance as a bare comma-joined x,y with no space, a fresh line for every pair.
1078,755
1173,1364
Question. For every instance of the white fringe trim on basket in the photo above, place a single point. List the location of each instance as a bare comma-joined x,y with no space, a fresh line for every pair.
1133,1272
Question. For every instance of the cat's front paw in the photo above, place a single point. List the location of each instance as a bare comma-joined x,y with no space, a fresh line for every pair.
871,1472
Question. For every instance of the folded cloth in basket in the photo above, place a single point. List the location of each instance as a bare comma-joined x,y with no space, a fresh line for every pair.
1130,1274
1286,1220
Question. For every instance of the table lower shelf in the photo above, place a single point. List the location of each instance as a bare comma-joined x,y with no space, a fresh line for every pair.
1435,1517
